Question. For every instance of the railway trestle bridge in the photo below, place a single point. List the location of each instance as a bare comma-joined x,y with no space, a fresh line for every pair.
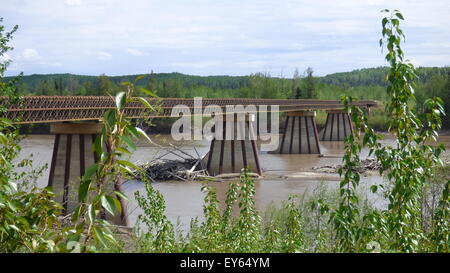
76,121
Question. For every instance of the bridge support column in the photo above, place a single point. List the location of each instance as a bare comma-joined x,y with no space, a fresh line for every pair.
230,155
300,134
72,154
337,127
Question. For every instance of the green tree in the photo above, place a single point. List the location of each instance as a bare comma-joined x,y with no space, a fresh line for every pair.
46,87
106,86
296,82
27,218
309,84
152,82
408,164
101,185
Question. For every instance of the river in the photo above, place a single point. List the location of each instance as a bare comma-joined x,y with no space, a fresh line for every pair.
284,174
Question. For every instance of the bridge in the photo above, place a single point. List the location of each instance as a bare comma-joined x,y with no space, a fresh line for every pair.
49,109
76,120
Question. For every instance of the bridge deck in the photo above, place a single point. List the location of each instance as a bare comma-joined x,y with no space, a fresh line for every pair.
46,109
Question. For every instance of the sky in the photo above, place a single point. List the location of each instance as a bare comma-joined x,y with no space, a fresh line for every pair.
216,37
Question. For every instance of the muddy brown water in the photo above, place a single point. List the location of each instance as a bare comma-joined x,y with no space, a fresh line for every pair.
284,175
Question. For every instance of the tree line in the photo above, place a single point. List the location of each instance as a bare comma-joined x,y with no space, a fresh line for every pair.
368,83
301,85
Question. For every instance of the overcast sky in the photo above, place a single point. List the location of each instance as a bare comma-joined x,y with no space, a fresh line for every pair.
216,37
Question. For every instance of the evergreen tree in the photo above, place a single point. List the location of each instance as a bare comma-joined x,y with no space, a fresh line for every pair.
309,84
106,86
296,81
152,82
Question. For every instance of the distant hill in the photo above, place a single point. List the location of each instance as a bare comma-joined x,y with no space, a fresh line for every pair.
223,82
368,83
376,76
359,77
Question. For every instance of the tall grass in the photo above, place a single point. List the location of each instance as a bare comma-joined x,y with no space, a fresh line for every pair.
299,224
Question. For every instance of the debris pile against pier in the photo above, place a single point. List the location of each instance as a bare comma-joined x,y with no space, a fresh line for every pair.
170,169
369,164
185,167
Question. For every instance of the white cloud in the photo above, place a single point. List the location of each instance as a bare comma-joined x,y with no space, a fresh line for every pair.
333,27
218,37
103,55
135,52
434,45
431,60
32,57
31,54
255,64
73,2
198,65
52,64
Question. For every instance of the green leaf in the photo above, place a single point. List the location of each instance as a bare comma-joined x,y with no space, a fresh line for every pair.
399,15
86,182
104,157
374,188
123,150
77,213
146,103
91,213
129,142
73,246
125,169
120,100
108,204
143,133
121,195
116,203
100,235
98,147
128,164
384,22
148,92
139,78
3,139
83,190
90,171
111,118
132,131
6,122
15,228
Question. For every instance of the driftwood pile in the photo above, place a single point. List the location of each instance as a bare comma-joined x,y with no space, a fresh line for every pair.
170,169
185,167
369,164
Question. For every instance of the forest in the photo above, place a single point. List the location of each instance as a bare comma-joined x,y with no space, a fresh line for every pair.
368,83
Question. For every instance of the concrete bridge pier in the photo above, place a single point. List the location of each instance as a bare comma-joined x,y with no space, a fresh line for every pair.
337,127
72,154
237,149
300,134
